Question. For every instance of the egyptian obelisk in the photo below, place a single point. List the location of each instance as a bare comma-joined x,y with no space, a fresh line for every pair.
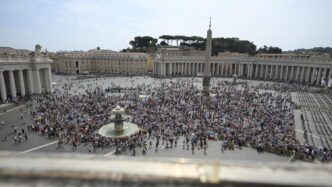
206,78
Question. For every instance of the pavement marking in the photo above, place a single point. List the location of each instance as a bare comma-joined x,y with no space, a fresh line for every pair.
18,107
110,153
308,133
36,148
292,157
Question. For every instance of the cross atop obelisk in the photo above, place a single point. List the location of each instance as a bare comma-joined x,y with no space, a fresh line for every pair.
206,78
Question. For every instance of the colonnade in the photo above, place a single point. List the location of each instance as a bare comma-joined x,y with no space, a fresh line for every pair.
301,73
14,82
289,73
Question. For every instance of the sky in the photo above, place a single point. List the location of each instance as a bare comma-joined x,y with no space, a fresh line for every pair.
111,24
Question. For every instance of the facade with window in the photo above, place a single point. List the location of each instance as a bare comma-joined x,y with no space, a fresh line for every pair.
97,61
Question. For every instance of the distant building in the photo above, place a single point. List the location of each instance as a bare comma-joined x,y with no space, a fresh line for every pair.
98,61
23,72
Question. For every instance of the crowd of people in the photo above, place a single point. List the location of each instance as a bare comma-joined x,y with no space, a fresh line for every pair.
284,87
234,115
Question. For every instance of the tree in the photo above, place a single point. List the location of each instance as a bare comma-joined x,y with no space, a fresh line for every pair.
143,43
272,50
167,38
163,43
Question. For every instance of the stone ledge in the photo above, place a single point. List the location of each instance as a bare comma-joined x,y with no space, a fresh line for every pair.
65,169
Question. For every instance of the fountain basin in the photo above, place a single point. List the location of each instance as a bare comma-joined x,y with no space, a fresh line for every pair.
110,131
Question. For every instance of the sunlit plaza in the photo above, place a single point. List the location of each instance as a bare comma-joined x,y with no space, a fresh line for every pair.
309,120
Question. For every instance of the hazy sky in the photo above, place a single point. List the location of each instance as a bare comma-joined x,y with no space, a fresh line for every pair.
111,24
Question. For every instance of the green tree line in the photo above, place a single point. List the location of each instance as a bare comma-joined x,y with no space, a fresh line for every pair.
150,44
315,50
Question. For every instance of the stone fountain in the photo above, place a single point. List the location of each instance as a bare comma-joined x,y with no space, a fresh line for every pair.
119,126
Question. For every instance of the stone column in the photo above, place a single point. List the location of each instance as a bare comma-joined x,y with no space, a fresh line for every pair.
216,69
313,75
3,87
259,71
37,84
189,69
186,69
31,87
12,84
22,87
182,68
319,76
242,69
292,74
256,70
164,69
302,73
286,74
307,75
248,71
50,80
231,70
271,72
330,73
212,69
175,68
266,71
276,72
226,69
251,69
281,74
193,69
297,73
